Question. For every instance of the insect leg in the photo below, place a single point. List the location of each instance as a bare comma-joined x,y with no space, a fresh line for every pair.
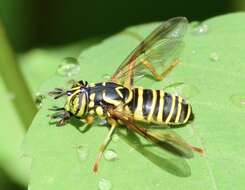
170,68
60,113
103,146
88,120
154,71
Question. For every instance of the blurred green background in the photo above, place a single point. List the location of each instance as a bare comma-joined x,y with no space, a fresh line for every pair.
33,24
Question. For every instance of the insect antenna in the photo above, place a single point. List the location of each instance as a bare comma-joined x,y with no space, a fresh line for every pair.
57,93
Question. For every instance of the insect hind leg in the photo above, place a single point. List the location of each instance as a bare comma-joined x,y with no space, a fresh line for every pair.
154,72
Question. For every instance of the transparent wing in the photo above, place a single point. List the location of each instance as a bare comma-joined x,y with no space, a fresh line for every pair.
165,139
159,49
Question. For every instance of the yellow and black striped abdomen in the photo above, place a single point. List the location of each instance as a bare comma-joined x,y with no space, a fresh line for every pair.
159,107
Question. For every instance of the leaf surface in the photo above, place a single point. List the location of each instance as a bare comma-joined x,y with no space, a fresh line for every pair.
211,75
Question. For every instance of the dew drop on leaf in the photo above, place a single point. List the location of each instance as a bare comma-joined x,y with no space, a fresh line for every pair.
106,77
104,184
214,57
193,51
183,89
238,100
11,96
199,28
110,155
38,99
82,152
69,67
115,138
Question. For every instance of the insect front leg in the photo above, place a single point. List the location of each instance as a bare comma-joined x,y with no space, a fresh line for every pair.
106,141
88,120
60,113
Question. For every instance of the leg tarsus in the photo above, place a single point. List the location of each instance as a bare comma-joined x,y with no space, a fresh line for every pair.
170,68
198,150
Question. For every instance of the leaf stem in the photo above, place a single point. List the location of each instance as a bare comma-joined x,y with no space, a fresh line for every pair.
14,80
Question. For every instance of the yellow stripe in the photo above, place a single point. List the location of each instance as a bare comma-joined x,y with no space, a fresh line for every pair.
138,114
126,109
179,109
154,99
99,111
92,96
82,108
91,104
91,85
69,106
171,110
188,113
130,96
75,105
110,101
119,92
91,112
161,107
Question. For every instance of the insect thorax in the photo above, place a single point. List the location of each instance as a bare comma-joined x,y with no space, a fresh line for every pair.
104,95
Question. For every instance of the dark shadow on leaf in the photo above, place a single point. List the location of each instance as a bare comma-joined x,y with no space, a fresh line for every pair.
173,164
80,126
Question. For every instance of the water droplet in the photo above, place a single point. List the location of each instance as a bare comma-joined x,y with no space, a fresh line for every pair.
199,28
106,77
115,138
68,67
38,99
103,122
131,149
82,152
238,100
104,184
110,155
214,57
183,89
193,51
11,96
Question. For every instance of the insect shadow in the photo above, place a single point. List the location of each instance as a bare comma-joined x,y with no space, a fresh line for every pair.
75,122
173,163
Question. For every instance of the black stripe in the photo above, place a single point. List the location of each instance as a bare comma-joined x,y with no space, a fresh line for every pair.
167,105
133,104
147,102
157,108
125,93
72,100
183,113
192,116
111,85
79,103
173,117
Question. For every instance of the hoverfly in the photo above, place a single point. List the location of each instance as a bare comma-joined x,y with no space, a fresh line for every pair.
118,101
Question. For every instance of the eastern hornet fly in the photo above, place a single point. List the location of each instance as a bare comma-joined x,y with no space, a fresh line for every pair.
119,102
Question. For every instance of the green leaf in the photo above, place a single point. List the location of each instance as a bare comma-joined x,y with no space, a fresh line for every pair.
212,77
38,65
